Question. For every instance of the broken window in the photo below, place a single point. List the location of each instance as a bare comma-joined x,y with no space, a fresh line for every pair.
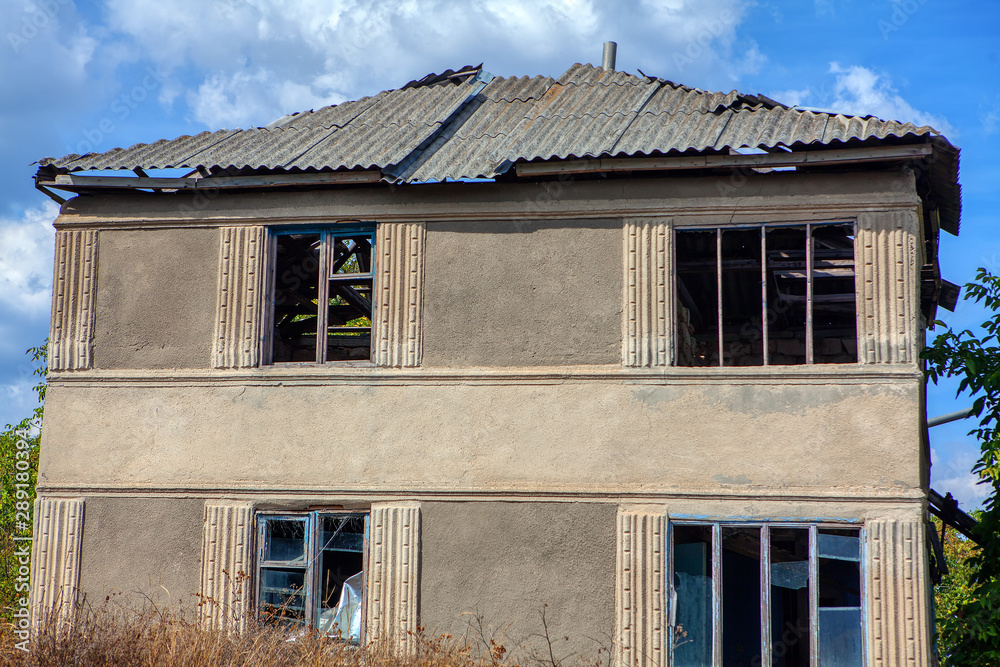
311,571
766,295
330,267
770,594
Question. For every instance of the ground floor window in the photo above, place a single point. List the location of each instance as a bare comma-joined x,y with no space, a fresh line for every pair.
311,570
765,594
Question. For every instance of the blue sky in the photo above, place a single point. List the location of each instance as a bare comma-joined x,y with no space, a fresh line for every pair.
79,76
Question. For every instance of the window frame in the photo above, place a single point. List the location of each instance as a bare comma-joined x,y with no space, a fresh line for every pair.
328,235
810,283
312,570
765,527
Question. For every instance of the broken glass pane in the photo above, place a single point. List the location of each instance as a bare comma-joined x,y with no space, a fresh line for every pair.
285,540
743,340
283,594
786,295
296,280
341,562
692,636
835,328
790,596
697,299
741,597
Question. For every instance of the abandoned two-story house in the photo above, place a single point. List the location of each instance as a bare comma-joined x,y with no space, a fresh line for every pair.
642,353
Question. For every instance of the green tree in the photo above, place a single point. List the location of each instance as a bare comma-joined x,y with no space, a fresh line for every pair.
971,634
19,444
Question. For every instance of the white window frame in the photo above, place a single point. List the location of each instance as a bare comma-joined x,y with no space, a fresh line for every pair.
328,235
764,227
765,581
312,570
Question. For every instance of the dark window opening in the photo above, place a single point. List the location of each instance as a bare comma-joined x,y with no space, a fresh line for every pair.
770,295
334,268
311,571
765,594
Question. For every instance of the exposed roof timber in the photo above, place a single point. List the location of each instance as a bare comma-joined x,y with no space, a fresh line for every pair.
76,183
842,156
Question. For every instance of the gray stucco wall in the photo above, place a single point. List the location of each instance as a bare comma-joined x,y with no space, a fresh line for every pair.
156,298
142,547
506,561
523,293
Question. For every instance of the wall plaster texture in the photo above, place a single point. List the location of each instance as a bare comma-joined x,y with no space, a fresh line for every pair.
504,562
142,549
157,303
487,435
523,293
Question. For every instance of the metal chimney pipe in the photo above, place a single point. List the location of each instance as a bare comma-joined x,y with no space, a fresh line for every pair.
610,53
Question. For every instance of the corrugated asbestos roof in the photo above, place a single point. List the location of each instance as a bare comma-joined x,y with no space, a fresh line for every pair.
467,124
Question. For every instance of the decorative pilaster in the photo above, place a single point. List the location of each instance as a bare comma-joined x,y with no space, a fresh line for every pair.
899,620
74,283
226,565
399,288
56,559
646,315
888,289
393,567
640,589
239,312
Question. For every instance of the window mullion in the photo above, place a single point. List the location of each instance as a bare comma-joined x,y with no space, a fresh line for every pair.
717,590
763,297
809,295
814,596
765,595
323,296
718,281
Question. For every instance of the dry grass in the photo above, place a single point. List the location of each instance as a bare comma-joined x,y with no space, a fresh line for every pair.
152,637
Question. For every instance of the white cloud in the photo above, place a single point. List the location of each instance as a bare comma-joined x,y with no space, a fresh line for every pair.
260,60
952,473
861,91
26,261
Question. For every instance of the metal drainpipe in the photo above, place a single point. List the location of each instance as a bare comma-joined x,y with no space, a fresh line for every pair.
610,53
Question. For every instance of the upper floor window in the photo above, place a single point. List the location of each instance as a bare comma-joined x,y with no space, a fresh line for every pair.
766,295
311,570
765,594
321,295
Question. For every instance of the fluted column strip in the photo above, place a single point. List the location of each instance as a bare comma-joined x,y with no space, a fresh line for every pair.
226,565
74,282
239,310
399,288
898,611
393,567
640,589
886,258
646,312
56,559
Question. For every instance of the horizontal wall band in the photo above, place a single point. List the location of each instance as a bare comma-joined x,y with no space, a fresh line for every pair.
334,375
493,494
737,210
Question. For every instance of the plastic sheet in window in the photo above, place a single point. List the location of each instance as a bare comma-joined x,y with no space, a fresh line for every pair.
345,618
